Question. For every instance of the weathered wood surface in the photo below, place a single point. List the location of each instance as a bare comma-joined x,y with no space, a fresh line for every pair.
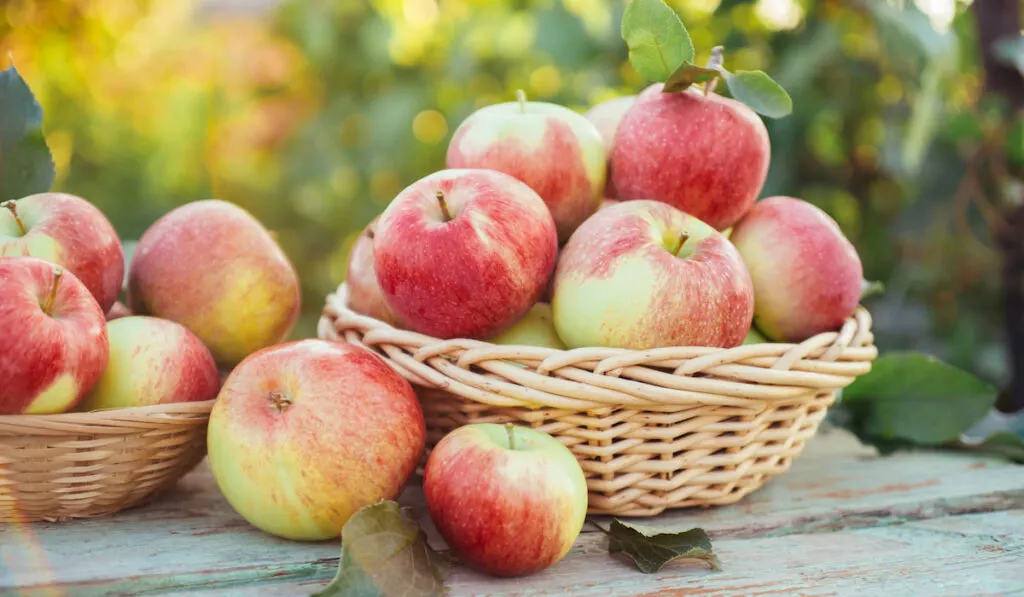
843,521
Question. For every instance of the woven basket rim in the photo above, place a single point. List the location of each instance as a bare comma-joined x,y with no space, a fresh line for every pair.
125,420
746,375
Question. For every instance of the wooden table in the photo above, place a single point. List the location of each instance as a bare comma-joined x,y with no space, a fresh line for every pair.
843,521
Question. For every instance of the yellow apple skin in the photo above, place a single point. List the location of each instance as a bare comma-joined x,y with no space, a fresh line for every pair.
212,267
305,433
536,328
152,361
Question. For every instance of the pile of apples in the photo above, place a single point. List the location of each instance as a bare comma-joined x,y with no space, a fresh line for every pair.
635,225
206,286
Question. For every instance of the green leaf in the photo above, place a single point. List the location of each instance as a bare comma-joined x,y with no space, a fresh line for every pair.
915,398
658,41
758,91
1015,141
26,166
1003,444
651,549
687,75
870,288
385,553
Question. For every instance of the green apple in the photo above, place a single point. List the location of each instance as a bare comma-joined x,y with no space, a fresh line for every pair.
536,328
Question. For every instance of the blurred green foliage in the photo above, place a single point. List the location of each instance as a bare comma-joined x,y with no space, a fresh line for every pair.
313,114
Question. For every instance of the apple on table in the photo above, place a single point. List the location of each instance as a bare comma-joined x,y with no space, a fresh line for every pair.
68,231
643,274
53,341
554,150
464,253
508,500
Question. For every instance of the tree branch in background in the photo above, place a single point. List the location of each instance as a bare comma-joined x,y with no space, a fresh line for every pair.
996,20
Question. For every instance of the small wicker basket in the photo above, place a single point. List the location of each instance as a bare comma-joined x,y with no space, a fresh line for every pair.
655,429
81,465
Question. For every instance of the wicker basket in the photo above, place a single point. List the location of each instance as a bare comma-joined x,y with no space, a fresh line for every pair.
665,428
81,465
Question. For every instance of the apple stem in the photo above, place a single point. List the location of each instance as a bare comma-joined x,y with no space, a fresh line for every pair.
14,212
369,233
715,62
48,305
280,401
444,206
521,96
683,237
511,438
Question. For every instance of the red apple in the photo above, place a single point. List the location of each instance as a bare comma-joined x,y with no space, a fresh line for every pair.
606,116
642,274
807,275
464,253
705,155
118,311
53,340
554,150
70,232
305,433
212,267
508,501
364,293
153,361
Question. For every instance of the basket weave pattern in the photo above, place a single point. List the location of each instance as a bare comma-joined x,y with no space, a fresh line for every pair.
81,465
655,429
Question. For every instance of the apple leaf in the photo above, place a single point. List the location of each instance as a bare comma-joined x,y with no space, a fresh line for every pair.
658,41
871,288
916,399
687,75
26,166
651,549
384,553
759,92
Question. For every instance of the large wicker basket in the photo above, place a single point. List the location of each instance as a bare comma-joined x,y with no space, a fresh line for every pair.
655,429
81,465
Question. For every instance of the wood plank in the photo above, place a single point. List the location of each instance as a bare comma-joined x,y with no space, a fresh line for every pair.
192,538
977,555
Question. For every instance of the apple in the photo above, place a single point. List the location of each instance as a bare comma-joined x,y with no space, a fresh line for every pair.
70,232
212,267
153,361
606,202
508,501
464,253
706,155
643,274
118,311
554,150
536,328
305,433
606,116
807,275
753,336
53,340
364,293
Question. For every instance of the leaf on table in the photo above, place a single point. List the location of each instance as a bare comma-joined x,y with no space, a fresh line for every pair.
759,92
26,166
658,41
689,74
1005,444
384,553
914,398
650,549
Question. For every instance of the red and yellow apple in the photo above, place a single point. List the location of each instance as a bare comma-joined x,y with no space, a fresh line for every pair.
807,275
464,253
305,433
364,294
53,338
642,274
536,328
153,361
508,501
118,311
706,155
606,116
554,150
212,267
70,232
